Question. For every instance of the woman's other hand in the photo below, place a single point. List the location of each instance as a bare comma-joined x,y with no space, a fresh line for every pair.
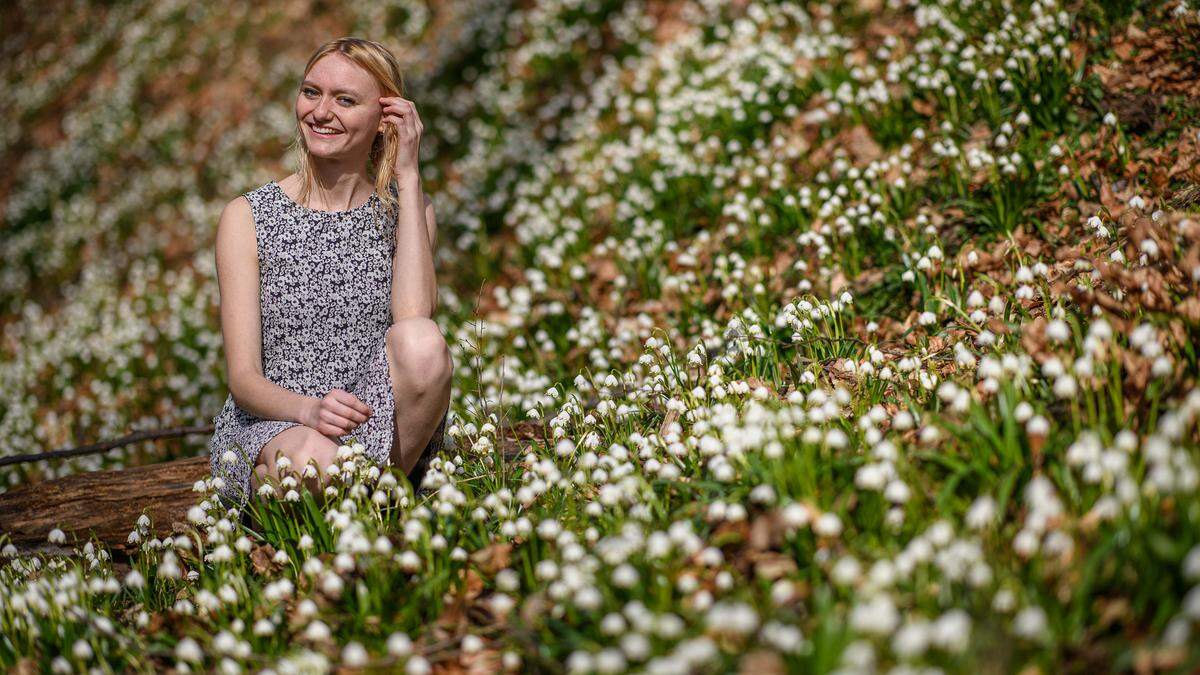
337,413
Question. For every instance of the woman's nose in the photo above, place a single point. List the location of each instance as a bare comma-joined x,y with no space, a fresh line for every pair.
323,111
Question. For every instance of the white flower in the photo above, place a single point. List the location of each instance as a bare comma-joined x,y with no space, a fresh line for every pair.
1037,426
795,515
1064,386
982,513
196,515
417,665
580,661
952,631
1023,411
828,525
870,477
1030,623
546,570
188,650
317,631
1191,564
224,642
1058,330
846,571
355,655
81,650
877,616
610,660
331,584
501,604
1191,604
623,576
912,639
471,644
732,617
1025,543
897,492
399,644
135,579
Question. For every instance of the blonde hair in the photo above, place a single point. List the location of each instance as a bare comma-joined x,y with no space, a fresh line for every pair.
382,65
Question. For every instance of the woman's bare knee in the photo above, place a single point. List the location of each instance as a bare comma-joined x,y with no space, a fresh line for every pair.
419,354
296,447
318,450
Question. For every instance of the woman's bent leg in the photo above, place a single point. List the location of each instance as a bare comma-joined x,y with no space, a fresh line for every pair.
421,367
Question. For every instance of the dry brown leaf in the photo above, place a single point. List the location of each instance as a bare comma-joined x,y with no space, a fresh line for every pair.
261,559
771,566
761,662
493,558
668,419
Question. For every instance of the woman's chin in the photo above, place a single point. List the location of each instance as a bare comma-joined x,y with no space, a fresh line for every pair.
315,150
329,150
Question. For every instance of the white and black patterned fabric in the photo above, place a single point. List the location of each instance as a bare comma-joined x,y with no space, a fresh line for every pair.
325,301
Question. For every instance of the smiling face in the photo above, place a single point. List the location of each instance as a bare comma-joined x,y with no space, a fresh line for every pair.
338,96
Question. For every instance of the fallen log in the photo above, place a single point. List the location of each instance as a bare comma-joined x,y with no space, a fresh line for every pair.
104,503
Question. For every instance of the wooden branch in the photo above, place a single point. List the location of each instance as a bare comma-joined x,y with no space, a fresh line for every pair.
103,446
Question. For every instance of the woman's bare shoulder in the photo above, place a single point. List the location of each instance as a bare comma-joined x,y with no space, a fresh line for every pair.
237,210
237,220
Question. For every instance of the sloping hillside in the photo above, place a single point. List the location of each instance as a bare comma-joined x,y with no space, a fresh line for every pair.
789,337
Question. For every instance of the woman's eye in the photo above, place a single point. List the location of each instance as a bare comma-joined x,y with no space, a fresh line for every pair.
308,91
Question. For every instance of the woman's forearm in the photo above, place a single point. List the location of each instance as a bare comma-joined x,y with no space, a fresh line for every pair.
263,398
414,285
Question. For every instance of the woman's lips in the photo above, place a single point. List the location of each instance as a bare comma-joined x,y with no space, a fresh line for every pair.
324,135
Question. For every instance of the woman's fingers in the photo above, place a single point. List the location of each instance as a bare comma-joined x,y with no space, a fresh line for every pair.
348,412
403,127
397,101
336,420
358,405
349,399
401,107
400,120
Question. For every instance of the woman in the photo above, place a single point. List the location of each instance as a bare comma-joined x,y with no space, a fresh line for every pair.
327,289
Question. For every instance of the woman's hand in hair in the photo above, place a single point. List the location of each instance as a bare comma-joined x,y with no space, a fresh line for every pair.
401,113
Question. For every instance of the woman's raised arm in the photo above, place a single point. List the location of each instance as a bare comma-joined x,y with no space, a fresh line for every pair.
414,281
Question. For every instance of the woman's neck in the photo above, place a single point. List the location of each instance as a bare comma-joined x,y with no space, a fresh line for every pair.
334,189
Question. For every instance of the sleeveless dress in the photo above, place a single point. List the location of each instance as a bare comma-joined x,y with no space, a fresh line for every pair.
325,299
